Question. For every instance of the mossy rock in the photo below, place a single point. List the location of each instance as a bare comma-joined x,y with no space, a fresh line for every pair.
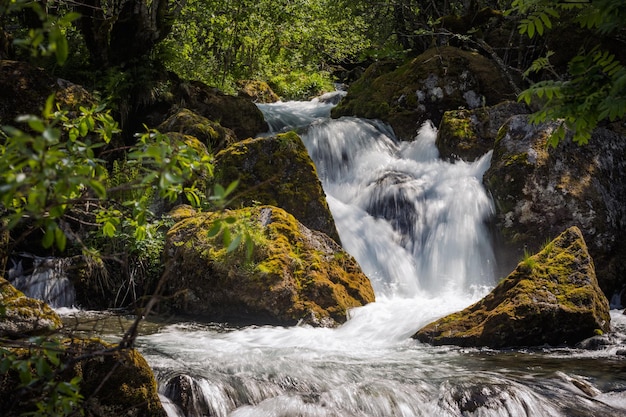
277,171
26,88
239,114
113,381
551,298
293,274
540,191
257,91
22,316
210,133
436,81
469,134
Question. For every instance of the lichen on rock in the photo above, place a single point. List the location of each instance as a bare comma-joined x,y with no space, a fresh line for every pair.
551,298
293,274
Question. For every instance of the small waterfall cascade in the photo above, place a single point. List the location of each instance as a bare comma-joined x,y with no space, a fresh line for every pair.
416,225
44,278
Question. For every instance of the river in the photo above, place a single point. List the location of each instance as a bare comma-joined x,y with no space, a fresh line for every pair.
416,225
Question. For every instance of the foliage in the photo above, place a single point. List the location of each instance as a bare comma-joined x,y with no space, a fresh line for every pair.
219,41
595,87
40,392
46,39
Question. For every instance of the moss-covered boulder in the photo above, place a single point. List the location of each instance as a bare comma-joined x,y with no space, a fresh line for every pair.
277,171
210,133
257,91
469,134
540,191
237,113
551,298
112,381
436,81
292,274
22,316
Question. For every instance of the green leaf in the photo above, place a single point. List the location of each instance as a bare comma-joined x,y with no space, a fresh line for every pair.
216,227
108,229
60,239
234,244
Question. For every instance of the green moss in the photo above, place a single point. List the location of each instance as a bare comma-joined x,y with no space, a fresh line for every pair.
276,171
290,274
551,297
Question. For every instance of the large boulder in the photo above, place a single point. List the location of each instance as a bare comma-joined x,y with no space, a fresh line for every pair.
290,274
277,171
22,316
469,134
540,191
551,298
210,133
113,381
237,113
438,80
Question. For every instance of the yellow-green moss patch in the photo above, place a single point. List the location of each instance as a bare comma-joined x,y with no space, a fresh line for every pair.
292,273
553,300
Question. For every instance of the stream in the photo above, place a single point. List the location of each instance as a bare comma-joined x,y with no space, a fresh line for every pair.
417,226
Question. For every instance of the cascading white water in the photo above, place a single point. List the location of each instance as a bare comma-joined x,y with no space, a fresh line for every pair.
416,225
45,279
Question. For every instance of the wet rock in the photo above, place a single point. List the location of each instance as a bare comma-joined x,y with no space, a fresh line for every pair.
183,391
550,298
277,171
469,134
436,81
290,274
22,316
210,133
540,191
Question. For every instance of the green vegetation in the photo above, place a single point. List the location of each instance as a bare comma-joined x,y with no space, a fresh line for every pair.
594,88
85,179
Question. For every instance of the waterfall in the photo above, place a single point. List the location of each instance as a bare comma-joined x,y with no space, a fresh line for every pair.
416,225
44,278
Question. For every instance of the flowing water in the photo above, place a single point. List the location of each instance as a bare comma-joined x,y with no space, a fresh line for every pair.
416,225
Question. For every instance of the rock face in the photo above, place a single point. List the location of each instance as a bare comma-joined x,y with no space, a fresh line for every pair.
550,298
540,191
22,316
293,274
469,134
436,81
277,171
